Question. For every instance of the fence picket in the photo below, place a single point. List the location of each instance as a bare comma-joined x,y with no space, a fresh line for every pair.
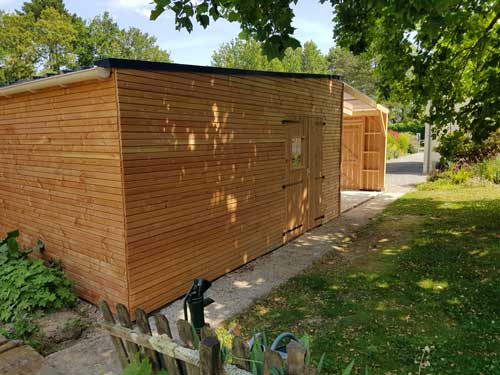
143,324
117,342
187,335
296,358
171,364
210,359
124,319
272,360
241,354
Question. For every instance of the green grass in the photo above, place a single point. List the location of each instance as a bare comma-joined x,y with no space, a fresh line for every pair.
425,273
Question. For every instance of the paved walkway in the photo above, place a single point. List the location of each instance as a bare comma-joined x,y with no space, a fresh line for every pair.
404,173
237,290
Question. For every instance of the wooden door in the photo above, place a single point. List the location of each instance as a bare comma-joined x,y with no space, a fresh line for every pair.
315,130
296,185
352,156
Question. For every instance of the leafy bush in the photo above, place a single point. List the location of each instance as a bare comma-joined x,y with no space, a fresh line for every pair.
404,142
488,170
460,148
409,126
28,286
399,144
457,176
393,149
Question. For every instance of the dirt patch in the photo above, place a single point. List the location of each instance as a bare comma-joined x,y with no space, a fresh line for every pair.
62,329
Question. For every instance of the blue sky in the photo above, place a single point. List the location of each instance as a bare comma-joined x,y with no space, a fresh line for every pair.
312,20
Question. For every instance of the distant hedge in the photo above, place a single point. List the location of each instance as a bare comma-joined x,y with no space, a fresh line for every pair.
410,126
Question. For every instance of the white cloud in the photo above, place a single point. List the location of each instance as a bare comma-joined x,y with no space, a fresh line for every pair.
142,7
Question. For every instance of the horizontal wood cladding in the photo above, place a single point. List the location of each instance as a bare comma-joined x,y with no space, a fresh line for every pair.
61,182
204,164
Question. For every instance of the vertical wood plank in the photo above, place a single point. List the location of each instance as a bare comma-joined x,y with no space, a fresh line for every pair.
296,358
163,327
124,320
143,324
187,336
117,343
241,354
207,332
272,360
210,358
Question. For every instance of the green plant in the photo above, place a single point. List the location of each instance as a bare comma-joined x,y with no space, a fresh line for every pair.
28,286
488,170
404,142
141,367
409,126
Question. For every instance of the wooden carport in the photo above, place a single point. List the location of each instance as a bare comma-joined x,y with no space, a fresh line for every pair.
364,135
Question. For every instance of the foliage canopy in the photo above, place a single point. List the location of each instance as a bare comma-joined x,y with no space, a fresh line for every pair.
43,37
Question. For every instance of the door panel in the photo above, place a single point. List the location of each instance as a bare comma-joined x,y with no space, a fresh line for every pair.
352,156
297,184
304,176
315,126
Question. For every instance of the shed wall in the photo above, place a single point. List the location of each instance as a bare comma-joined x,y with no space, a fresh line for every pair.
204,168
60,181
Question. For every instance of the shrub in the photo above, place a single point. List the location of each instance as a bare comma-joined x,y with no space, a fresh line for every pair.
409,126
488,170
460,148
399,144
404,142
393,150
28,286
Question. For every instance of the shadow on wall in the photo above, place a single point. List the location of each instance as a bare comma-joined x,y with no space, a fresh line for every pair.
203,177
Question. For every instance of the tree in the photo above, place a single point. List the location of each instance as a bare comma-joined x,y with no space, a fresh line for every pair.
44,38
55,35
356,70
442,53
248,54
240,54
312,60
102,37
134,44
18,54
36,7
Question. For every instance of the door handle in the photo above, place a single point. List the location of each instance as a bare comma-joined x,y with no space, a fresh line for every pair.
291,184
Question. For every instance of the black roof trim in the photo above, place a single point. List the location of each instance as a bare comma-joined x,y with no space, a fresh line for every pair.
171,67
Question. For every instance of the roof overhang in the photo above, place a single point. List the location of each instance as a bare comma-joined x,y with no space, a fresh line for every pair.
61,80
358,104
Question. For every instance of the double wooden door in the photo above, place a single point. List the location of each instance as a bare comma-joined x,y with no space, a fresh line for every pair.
303,175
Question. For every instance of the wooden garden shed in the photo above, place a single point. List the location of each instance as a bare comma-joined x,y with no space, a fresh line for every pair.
364,136
142,176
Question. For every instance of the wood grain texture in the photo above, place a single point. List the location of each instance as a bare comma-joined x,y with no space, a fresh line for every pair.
61,182
363,152
204,160
146,180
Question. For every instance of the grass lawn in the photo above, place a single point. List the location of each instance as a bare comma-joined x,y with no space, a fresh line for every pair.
425,273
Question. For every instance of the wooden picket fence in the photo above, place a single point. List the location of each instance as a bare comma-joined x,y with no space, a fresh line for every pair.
182,358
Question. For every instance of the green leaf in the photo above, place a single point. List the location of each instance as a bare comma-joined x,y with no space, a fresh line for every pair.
348,369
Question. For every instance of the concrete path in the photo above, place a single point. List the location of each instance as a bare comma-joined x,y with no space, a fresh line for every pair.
350,199
237,290
404,173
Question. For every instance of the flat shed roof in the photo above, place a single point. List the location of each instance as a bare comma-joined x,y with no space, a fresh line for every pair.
358,104
102,69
